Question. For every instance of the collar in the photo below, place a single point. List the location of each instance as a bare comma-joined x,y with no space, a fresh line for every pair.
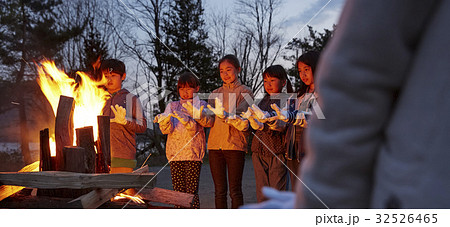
235,84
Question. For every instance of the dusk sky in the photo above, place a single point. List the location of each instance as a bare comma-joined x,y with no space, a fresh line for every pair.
294,14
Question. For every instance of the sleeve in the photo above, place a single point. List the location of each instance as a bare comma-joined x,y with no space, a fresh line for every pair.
168,127
277,125
359,73
206,120
138,122
245,99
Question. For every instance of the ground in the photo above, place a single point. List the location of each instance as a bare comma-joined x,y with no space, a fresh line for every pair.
206,188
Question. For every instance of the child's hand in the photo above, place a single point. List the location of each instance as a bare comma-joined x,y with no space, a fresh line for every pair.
162,118
255,124
239,123
219,110
192,110
247,114
119,115
282,114
183,118
262,116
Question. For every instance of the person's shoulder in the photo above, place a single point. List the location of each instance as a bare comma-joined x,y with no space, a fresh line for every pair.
218,90
244,89
174,103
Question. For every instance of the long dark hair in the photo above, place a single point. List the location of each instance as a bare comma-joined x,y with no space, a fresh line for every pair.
278,71
310,58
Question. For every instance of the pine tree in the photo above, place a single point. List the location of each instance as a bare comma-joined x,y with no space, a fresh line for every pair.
186,37
316,41
94,49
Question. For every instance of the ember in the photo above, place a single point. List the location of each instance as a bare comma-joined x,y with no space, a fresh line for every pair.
137,199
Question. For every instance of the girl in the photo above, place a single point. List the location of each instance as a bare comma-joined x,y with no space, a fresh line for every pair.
306,65
267,145
185,147
227,141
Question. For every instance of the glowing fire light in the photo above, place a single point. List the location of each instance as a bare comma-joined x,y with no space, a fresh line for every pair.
137,199
89,98
7,190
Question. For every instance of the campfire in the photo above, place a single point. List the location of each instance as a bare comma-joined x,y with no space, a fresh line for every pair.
75,156
89,98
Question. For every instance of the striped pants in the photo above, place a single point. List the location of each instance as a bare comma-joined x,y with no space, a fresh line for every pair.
186,177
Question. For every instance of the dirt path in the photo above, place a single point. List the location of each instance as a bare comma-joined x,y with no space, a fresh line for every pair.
206,189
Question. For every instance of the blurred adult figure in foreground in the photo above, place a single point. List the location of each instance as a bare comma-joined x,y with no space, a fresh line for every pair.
383,82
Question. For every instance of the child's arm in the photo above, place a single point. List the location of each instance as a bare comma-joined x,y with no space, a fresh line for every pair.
199,115
187,121
277,125
133,121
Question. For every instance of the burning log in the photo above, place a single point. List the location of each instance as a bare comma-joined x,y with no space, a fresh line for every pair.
45,156
103,145
75,159
63,128
59,179
85,139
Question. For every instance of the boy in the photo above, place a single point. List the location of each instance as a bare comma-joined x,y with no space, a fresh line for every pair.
127,117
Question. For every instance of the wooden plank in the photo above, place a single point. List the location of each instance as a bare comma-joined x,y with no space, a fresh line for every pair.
103,145
85,139
47,202
97,197
45,156
166,196
7,190
59,179
63,128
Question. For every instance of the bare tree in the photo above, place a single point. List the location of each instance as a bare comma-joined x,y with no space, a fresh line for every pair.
220,24
259,39
97,17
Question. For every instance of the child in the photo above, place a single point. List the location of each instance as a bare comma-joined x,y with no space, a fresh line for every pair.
268,142
127,117
186,143
227,141
306,65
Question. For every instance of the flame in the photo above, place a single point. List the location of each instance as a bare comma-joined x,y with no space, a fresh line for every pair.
137,199
52,143
7,190
89,98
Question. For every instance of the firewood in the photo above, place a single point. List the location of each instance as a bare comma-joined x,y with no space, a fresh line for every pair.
75,159
6,190
60,179
103,145
85,139
63,128
46,202
166,196
45,156
96,198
